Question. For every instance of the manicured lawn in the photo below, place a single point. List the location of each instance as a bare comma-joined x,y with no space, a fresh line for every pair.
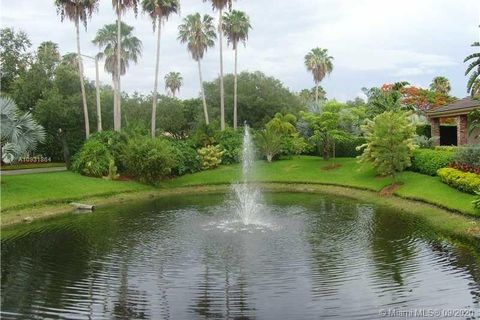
305,169
42,188
32,166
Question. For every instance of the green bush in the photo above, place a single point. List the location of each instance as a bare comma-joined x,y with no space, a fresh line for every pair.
230,141
211,156
476,202
469,156
115,142
448,148
463,181
428,161
348,147
188,160
149,159
93,159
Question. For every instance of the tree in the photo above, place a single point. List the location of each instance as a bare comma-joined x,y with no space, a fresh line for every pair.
382,99
78,11
389,143
19,133
120,7
319,63
282,123
173,82
131,47
220,5
440,85
159,11
472,84
236,25
171,117
14,57
269,143
199,35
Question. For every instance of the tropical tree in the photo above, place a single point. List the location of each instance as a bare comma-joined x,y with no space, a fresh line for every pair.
120,7
173,82
159,11
440,85
19,133
199,34
319,63
236,25
220,5
131,49
472,84
282,123
269,143
14,56
78,11
390,142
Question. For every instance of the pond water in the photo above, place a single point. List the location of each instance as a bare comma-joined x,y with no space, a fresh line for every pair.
308,257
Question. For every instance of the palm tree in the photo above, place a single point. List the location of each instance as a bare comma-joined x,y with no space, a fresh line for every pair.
19,133
120,6
320,64
472,85
236,25
199,35
159,11
220,5
78,11
440,85
106,39
173,82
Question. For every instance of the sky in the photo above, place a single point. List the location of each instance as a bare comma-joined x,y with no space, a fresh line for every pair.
372,41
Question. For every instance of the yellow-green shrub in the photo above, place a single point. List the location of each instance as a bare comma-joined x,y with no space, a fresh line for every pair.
211,156
463,181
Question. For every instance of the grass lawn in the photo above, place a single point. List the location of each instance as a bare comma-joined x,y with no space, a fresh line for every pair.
32,166
305,169
21,191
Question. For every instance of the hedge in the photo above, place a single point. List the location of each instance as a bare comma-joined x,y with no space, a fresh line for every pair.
463,181
428,161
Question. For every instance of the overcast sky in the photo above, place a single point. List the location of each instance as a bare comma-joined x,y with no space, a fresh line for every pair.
372,41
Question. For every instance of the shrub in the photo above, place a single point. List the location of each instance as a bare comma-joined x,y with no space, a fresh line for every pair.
269,143
211,156
93,159
149,159
447,148
188,160
293,144
115,142
425,142
476,202
230,141
463,181
468,159
348,147
428,161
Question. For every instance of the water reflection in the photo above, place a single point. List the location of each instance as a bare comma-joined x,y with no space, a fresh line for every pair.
319,257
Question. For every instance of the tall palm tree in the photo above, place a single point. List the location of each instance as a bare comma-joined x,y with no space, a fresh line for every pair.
159,11
199,34
220,5
440,84
78,11
173,82
236,25
472,84
131,49
320,64
120,7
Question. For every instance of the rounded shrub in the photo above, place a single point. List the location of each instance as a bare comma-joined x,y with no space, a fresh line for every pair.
428,161
188,160
211,157
93,159
148,159
115,142
230,141
463,181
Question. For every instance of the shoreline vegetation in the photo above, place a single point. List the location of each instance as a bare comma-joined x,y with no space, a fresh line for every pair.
445,209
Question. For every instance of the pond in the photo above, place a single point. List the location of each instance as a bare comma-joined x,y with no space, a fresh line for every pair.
187,257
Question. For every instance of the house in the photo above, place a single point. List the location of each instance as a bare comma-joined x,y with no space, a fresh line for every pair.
458,110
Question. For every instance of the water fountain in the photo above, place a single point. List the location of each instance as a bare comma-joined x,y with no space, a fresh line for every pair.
247,195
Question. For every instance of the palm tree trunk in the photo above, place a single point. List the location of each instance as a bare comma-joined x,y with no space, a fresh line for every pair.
114,82
82,84
155,86
97,89
222,92
205,110
235,90
118,122
316,92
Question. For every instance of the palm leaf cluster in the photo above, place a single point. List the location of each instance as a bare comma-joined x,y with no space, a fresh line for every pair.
173,82
160,9
473,84
236,25
76,10
319,63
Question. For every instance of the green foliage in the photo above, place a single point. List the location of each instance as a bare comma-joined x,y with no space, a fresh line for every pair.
476,202
380,101
211,156
14,56
269,143
428,161
469,156
294,144
115,142
448,148
424,142
93,159
389,142
348,148
171,117
112,171
188,160
148,159
463,181
230,141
